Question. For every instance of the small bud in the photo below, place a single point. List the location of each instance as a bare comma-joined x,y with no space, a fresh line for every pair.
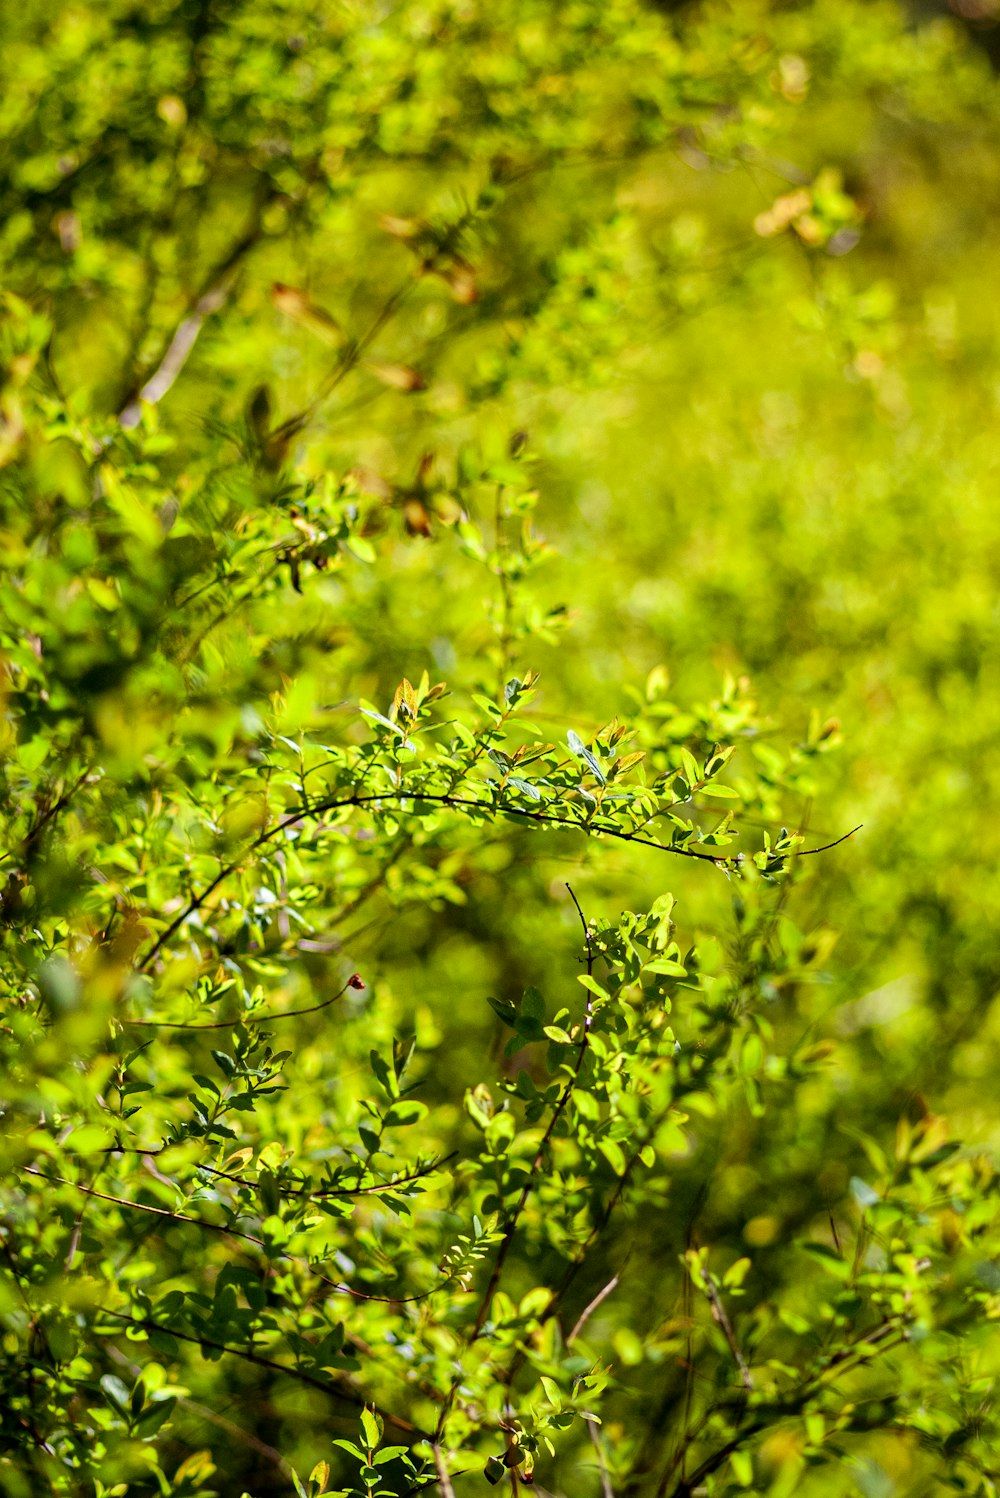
461,282
416,517
397,376
295,304
399,228
355,981
172,110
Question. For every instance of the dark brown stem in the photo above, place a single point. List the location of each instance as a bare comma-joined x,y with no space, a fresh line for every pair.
242,1019
231,1232
326,1191
491,808
162,1212
202,1412
336,1391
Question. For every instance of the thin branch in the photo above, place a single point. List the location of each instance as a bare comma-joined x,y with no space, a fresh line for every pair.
74,1242
505,631
882,1340
232,1232
722,1320
161,1212
440,799
588,1310
354,351
210,299
373,884
35,1320
510,1230
686,1486
348,361
202,1412
327,1191
227,612
607,1491
247,1019
586,934
825,847
56,807
447,1491
336,1391
573,1269
178,351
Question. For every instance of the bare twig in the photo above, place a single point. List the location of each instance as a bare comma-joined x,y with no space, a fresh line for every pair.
447,1491
890,1334
246,1019
588,1310
212,296
505,631
607,1491
202,1412
722,1320
178,351
348,361
74,1241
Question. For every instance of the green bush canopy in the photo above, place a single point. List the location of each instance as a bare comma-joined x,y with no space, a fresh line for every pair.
463,465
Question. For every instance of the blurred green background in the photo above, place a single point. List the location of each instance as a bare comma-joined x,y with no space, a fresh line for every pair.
754,351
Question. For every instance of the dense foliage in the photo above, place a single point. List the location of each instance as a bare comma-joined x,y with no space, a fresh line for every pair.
374,1118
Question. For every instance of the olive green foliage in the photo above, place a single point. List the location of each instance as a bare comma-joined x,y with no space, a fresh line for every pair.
419,424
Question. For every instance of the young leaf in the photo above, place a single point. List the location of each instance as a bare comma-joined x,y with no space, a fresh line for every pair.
371,1428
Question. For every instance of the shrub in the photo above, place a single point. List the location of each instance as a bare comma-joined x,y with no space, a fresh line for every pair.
356,1138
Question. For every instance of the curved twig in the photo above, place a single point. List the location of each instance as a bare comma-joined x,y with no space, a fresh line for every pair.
490,808
246,1019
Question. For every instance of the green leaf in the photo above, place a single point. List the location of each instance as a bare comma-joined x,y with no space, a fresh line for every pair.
362,549
863,1193
533,1004
116,1394
384,1074
350,1448
371,1428
736,1274
666,967
614,1154
504,1009
377,717
320,1476
742,1465
689,765
592,985
404,1113
389,1454
829,1259
553,1032
590,759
